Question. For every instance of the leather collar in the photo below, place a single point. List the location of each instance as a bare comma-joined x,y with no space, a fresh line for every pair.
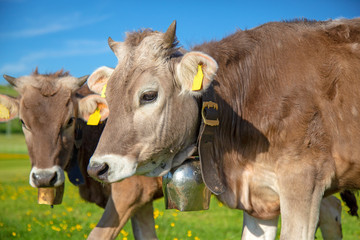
209,124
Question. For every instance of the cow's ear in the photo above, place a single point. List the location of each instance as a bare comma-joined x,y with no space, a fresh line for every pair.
93,104
195,72
9,108
99,78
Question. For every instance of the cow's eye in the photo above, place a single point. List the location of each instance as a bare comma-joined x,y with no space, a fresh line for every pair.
148,97
24,125
70,122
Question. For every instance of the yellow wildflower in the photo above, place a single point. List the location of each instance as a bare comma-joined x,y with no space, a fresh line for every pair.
174,214
64,226
92,225
89,214
189,233
196,238
172,224
156,226
156,213
14,234
124,233
69,209
78,227
85,236
55,228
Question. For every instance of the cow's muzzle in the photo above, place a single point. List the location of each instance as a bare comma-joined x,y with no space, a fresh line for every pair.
48,177
111,168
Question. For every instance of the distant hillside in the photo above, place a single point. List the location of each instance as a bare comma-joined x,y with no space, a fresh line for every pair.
8,90
13,126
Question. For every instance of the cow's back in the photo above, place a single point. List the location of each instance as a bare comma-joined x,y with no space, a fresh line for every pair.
288,91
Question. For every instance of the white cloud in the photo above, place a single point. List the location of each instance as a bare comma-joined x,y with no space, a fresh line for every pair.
32,32
73,48
65,23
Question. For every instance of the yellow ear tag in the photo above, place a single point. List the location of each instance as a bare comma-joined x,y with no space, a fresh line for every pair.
94,118
4,112
198,79
103,91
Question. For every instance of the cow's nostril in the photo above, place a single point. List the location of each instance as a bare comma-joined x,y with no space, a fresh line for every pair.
98,171
35,176
103,170
53,179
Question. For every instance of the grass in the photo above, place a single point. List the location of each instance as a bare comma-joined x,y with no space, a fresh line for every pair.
14,144
22,218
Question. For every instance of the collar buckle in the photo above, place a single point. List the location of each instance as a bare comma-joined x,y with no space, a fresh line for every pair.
209,113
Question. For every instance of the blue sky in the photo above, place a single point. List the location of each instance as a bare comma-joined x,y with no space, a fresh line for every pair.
72,34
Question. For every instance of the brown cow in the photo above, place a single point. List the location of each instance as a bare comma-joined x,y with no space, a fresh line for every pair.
117,210
138,201
330,216
49,107
287,131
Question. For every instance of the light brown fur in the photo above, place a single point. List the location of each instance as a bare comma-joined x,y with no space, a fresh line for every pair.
47,103
288,96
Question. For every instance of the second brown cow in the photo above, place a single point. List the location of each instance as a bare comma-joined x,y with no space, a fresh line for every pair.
49,107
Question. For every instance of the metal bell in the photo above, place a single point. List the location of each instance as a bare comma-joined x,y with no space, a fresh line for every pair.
184,188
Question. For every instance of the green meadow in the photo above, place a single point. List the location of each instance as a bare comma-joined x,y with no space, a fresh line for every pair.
22,218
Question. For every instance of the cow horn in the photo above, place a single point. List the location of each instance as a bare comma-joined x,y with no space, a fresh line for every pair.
116,47
82,80
112,44
169,35
10,79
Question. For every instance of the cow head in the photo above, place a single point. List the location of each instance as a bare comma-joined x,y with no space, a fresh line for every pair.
48,107
154,115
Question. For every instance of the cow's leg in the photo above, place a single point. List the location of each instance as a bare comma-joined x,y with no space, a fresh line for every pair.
330,218
299,218
126,198
109,225
257,229
300,192
143,223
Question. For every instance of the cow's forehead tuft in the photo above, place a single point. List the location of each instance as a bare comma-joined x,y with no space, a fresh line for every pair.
47,84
